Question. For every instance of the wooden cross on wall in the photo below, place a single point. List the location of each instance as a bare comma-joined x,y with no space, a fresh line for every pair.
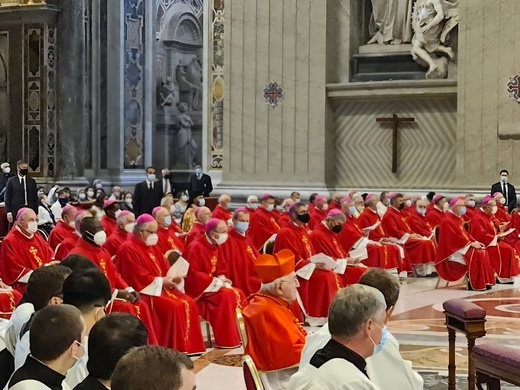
396,121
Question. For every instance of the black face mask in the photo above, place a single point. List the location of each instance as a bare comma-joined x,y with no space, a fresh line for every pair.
337,228
305,218
24,172
401,206
167,176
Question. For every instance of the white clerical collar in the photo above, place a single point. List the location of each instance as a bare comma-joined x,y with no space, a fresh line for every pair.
374,211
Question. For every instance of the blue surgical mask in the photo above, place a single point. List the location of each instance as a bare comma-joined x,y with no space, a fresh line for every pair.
352,210
384,337
463,210
242,227
151,177
422,212
198,171
167,221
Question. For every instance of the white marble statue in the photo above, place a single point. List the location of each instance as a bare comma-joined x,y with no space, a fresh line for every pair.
433,21
391,22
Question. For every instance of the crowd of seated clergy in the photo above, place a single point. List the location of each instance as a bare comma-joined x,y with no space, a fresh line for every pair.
114,280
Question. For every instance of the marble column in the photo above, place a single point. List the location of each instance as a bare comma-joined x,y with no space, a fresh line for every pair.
287,145
488,137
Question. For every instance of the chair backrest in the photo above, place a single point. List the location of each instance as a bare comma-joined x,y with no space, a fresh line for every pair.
251,374
466,225
268,248
242,327
437,230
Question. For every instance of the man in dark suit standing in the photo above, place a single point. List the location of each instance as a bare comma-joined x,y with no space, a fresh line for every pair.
167,183
21,191
200,181
147,194
6,175
508,190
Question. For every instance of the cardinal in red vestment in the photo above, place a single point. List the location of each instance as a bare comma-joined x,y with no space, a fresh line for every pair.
501,218
275,337
503,256
335,203
127,300
352,237
109,219
23,251
9,299
63,249
318,286
202,215
143,266
459,254
436,213
252,204
263,223
370,221
221,210
239,254
65,228
325,239
470,207
417,220
125,226
419,250
170,245
208,284
319,212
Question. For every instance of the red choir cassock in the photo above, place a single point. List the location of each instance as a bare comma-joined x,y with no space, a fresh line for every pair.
115,240
334,206
102,259
452,265
276,215
175,315
514,238
197,231
319,290
20,255
59,233
419,224
407,211
8,302
109,225
63,249
327,242
385,256
250,211
502,216
317,217
217,305
263,225
221,213
285,219
239,254
168,241
369,218
470,212
503,257
435,216
418,251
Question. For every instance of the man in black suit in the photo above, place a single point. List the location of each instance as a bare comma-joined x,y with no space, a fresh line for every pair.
147,194
200,181
508,190
6,175
21,191
167,184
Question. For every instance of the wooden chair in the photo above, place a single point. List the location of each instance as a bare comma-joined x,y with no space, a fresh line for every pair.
268,248
251,374
436,235
241,328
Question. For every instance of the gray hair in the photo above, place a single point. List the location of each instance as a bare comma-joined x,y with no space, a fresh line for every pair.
165,201
270,288
352,307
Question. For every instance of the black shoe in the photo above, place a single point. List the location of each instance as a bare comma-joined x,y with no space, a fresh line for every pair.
489,287
434,275
469,287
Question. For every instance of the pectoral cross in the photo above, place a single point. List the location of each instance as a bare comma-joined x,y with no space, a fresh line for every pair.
396,121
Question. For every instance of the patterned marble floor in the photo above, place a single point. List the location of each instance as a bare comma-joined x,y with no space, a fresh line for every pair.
418,324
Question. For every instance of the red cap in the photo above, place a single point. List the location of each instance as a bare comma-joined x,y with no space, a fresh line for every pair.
21,211
266,196
455,201
436,198
67,208
212,224
346,199
108,203
269,267
144,218
487,199
393,195
369,196
334,212
496,194
319,198
240,210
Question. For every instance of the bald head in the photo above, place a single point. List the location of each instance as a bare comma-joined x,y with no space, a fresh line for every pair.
27,221
224,200
287,203
68,214
337,197
26,215
203,215
80,217
161,216
125,218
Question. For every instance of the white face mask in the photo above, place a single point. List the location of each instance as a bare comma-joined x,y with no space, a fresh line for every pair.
82,196
325,207
252,206
222,238
202,202
502,201
117,213
32,227
90,194
128,201
152,239
100,238
151,177
184,198
270,207
129,228
446,206
408,203
296,200
471,203
494,210
7,170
